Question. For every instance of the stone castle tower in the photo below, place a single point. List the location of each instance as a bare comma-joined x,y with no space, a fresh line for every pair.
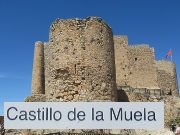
77,64
167,77
83,61
137,68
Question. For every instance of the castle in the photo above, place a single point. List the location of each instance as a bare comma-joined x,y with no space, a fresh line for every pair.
83,61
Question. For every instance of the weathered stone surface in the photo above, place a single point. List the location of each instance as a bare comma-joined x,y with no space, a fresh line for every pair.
122,60
136,67
167,77
171,103
142,67
38,80
79,59
36,98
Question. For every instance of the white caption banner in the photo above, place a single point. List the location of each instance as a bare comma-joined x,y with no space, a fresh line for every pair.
84,115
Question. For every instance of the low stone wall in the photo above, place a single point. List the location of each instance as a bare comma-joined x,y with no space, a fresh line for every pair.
171,104
144,91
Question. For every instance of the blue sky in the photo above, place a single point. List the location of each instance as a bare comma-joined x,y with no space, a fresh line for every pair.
155,22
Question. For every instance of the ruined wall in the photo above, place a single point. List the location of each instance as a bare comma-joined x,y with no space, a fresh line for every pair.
135,65
81,65
171,104
38,80
121,60
167,78
142,67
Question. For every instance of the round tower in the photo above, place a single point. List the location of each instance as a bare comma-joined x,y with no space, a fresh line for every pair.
81,61
38,84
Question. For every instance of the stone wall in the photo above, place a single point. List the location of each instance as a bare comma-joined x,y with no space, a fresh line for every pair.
142,67
167,77
171,103
80,63
122,60
135,64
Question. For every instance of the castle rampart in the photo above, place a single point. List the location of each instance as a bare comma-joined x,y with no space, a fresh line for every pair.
122,60
167,78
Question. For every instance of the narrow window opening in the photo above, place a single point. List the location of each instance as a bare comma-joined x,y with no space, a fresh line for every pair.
75,69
